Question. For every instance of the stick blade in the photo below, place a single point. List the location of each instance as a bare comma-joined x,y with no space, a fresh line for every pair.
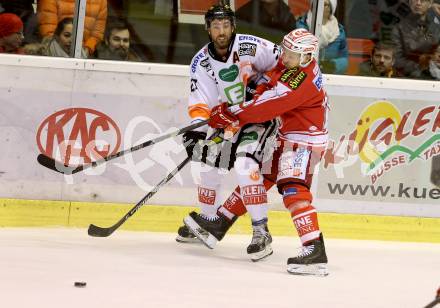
98,231
52,164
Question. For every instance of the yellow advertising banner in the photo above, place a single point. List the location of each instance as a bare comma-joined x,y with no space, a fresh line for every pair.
382,150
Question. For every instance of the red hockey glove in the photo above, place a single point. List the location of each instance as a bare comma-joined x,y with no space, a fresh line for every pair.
221,117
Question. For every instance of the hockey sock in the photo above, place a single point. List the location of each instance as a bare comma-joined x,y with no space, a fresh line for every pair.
255,199
306,223
297,199
210,182
234,206
207,197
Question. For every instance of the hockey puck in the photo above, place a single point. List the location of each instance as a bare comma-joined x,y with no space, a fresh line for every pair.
80,284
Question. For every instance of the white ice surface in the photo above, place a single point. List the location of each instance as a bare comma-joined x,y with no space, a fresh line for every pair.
38,268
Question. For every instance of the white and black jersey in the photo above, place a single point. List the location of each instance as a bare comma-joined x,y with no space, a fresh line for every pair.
216,79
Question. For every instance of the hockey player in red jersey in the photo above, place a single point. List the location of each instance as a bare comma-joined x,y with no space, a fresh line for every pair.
295,94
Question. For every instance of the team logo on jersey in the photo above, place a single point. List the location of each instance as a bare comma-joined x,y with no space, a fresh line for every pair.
317,81
205,64
247,49
255,175
229,74
292,80
193,84
235,93
249,38
248,138
288,74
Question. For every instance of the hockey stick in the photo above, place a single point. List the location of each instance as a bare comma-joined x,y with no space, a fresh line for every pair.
104,232
433,303
64,169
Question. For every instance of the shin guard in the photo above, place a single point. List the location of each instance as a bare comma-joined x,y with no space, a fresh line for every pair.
296,199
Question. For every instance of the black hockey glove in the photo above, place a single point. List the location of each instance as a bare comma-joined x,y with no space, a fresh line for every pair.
250,90
190,140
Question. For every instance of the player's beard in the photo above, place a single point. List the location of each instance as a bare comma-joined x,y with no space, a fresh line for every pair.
222,42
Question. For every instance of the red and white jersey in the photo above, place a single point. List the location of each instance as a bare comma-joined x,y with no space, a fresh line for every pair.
297,97
216,79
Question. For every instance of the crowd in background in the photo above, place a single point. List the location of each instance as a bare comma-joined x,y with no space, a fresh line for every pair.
406,33
46,28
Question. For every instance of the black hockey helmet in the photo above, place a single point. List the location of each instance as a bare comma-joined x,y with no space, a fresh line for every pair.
219,11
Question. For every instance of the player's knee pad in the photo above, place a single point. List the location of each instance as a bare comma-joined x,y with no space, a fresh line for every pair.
295,195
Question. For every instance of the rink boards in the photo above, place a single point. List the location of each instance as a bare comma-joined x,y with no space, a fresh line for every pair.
384,135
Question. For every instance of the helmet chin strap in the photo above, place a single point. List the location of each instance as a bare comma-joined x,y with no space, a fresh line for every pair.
301,60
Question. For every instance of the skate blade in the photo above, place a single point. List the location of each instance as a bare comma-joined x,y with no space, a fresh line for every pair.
205,237
187,240
318,269
258,256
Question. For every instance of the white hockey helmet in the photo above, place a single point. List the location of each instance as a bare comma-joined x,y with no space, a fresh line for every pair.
303,42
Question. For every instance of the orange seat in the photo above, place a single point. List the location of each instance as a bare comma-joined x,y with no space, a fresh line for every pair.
359,50
299,7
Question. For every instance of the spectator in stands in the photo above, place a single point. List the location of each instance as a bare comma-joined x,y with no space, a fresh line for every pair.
415,38
381,62
34,49
268,13
333,50
11,33
433,69
436,8
51,12
116,44
61,41
25,10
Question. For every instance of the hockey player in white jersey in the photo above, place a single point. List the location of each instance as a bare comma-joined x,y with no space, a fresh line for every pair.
219,73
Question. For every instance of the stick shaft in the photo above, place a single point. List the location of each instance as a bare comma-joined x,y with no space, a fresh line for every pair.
103,232
52,164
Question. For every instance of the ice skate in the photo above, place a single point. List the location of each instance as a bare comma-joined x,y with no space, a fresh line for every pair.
208,230
185,236
260,248
311,261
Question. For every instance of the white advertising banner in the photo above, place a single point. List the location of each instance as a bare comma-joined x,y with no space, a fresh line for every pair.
384,152
78,116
